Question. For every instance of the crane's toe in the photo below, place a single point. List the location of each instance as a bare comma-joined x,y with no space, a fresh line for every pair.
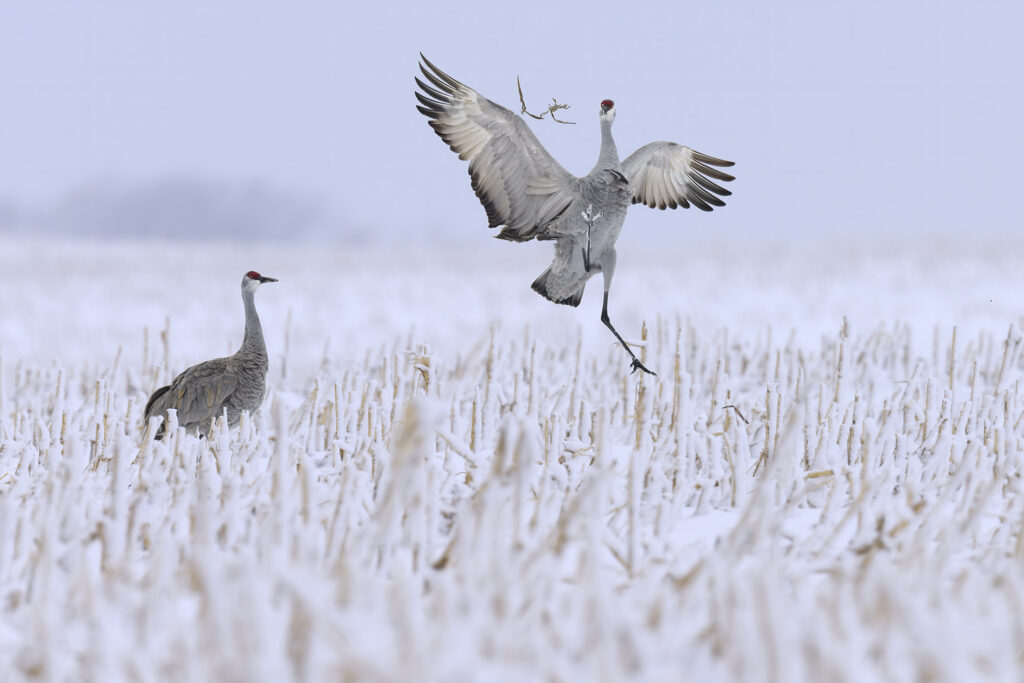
637,365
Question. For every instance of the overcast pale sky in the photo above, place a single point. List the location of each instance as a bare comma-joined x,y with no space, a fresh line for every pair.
887,117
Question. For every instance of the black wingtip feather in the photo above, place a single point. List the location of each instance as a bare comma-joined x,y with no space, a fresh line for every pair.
712,172
433,92
509,235
714,161
699,203
437,81
445,77
429,113
429,103
706,196
708,185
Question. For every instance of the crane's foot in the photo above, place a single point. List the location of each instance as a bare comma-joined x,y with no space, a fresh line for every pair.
637,365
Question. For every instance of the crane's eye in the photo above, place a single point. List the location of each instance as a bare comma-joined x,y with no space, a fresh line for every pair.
253,275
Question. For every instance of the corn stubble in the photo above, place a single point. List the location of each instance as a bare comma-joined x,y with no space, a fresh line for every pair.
762,511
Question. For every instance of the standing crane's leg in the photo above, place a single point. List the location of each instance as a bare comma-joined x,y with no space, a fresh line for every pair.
608,269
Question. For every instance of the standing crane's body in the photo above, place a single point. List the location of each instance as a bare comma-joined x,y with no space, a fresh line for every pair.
223,386
527,192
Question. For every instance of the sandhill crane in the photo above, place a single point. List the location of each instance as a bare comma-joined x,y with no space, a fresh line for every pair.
529,193
232,385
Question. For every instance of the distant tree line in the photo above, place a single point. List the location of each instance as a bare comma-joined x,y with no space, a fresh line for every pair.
181,209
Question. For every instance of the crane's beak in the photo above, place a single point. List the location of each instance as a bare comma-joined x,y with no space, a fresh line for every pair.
267,279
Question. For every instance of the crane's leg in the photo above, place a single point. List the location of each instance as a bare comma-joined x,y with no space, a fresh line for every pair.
586,252
588,217
608,269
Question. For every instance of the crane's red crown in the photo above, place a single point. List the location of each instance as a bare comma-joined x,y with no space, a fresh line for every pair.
607,104
253,275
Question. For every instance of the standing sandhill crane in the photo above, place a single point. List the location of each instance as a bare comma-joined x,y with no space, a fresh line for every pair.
233,384
529,193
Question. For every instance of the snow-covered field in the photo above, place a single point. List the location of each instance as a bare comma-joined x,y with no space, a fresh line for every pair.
454,480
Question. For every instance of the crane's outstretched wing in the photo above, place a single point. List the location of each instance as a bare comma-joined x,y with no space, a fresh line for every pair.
520,185
198,394
667,175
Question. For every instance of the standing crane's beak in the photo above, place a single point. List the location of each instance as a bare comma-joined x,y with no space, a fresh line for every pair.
267,279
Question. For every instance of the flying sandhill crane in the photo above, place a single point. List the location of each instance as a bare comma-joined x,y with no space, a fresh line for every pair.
529,193
233,385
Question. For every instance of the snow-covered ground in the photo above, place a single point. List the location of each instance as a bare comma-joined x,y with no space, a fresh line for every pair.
455,480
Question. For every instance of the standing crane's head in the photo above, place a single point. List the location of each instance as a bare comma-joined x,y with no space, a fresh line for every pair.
253,280
607,112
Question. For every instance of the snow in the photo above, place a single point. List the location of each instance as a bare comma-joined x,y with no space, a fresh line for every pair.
452,479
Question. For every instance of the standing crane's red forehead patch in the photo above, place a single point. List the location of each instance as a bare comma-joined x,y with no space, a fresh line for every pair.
607,104
253,275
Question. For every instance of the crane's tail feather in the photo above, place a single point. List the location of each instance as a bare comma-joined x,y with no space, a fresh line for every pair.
540,285
149,407
152,399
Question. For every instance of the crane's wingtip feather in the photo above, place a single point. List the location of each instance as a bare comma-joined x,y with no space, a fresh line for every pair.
451,82
445,87
714,161
441,97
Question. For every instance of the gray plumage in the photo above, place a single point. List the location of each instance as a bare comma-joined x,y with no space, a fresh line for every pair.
234,385
526,192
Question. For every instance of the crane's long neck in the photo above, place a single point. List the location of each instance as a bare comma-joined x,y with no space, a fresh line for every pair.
252,343
609,153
